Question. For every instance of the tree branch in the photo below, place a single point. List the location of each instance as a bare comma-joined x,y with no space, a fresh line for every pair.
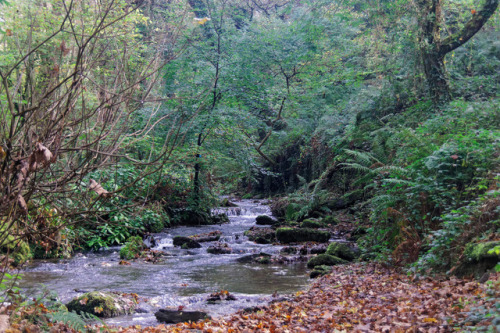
470,29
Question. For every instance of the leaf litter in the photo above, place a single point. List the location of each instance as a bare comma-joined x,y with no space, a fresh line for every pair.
361,298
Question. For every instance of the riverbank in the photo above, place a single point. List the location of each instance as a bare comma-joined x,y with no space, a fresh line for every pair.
366,297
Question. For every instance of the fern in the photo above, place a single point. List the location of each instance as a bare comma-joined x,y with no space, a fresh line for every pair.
78,322
362,157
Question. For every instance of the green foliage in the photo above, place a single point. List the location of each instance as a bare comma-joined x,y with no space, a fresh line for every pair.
132,248
79,322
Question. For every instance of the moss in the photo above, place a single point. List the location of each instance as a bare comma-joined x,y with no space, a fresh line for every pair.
17,249
310,223
320,271
186,242
102,304
341,250
292,235
324,259
330,220
264,220
132,248
480,251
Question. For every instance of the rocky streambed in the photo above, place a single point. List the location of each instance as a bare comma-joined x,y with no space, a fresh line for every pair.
186,277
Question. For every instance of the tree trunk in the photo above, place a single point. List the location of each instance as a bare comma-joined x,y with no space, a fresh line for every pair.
436,76
434,48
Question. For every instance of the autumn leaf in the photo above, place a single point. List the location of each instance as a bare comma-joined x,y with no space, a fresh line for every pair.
201,21
97,188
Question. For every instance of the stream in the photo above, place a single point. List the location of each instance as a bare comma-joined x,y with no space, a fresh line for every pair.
186,276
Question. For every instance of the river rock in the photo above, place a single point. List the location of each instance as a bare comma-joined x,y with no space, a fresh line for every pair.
222,295
253,257
220,218
341,250
176,316
207,237
310,223
320,271
186,242
261,235
226,203
220,248
324,259
103,304
294,235
265,220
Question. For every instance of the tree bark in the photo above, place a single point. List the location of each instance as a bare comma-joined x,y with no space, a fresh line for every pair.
434,49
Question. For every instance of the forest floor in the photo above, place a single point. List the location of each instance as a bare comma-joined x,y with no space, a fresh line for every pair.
366,298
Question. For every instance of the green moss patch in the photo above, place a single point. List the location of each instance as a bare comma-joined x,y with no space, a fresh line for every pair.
295,235
324,259
103,304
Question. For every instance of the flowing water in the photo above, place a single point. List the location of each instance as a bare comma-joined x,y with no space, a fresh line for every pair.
185,277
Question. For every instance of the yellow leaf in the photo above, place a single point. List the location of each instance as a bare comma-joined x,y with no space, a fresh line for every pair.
430,320
201,21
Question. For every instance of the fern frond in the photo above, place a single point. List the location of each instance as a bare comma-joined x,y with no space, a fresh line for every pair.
357,167
362,157
78,322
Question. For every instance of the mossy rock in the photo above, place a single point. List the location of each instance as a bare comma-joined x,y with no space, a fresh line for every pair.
220,218
342,251
261,235
17,249
103,304
186,242
330,220
264,220
324,259
310,223
481,251
478,259
226,203
320,271
357,234
132,248
294,235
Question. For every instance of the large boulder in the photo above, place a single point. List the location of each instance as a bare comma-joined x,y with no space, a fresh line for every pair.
265,220
179,316
341,250
324,259
294,235
186,242
103,304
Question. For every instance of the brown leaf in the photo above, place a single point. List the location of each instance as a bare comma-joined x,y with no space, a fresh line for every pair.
22,203
97,188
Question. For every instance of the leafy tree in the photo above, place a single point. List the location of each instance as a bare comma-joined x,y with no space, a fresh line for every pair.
434,48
